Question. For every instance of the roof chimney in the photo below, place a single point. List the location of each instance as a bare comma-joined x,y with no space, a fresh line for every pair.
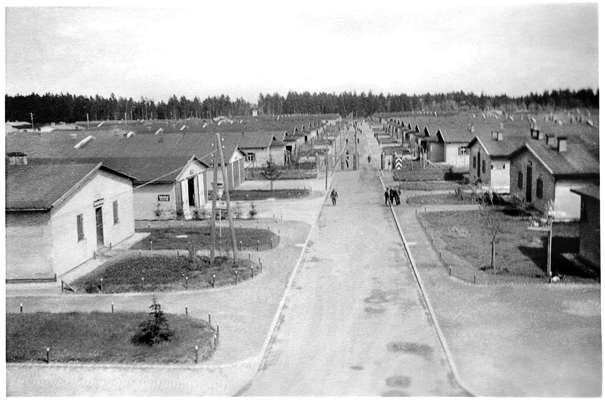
540,135
561,144
17,158
500,136
551,141
494,135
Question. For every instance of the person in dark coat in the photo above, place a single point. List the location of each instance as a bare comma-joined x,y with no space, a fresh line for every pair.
387,197
396,195
391,195
334,196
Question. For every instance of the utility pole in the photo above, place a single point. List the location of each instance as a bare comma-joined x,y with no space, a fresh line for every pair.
213,217
226,187
549,250
327,167
31,115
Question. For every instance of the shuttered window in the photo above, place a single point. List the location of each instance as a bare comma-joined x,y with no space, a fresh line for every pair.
116,217
520,180
539,188
80,227
474,161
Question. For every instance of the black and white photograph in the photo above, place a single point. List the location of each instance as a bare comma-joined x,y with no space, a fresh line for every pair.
302,198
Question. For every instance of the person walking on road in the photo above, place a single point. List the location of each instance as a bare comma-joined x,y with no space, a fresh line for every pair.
392,196
387,197
333,196
369,158
396,195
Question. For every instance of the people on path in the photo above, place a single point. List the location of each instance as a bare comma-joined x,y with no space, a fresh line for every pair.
333,196
387,197
369,158
397,198
392,195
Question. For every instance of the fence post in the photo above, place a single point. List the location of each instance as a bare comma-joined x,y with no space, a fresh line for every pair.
209,319
196,353
252,271
474,277
213,279
186,312
48,355
20,307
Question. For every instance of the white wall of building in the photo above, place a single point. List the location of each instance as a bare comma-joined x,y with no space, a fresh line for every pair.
499,175
152,197
567,203
452,156
67,251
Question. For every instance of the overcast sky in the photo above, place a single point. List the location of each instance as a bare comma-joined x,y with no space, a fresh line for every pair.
243,48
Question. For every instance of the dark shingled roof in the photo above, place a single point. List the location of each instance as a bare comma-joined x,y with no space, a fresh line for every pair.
590,190
40,186
577,160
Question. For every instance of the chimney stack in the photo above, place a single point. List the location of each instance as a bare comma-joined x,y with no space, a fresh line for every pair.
495,135
561,144
500,136
551,141
17,158
540,135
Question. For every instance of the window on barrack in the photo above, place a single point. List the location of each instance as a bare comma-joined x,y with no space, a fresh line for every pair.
539,188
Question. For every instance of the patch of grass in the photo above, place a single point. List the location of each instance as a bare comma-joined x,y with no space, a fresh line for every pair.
428,185
253,195
518,251
199,237
438,199
146,273
101,337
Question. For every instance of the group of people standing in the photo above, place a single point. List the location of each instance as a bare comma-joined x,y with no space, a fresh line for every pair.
392,196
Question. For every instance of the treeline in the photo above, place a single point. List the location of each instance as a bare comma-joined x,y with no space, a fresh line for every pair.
367,104
70,108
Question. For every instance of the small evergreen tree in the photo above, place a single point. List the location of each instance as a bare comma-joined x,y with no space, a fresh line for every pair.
271,172
155,329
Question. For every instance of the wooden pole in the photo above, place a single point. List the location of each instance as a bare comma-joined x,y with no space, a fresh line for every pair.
327,167
226,187
549,251
212,218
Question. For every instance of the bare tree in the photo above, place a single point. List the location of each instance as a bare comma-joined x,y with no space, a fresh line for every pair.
494,228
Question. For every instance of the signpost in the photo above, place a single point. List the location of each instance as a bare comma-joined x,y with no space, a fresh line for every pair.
548,229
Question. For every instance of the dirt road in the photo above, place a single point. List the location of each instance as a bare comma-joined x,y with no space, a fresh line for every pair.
354,323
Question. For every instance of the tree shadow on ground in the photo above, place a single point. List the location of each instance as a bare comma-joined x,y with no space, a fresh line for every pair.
560,265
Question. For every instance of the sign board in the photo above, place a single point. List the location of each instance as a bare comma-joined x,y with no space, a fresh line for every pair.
97,203
163,197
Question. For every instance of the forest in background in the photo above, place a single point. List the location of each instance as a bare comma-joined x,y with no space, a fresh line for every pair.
65,107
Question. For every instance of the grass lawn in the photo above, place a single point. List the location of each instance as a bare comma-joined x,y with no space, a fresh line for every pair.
161,273
199,237
438,199
252,195
101,337
519,252
428,185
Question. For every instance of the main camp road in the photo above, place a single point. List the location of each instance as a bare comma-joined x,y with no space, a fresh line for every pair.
354,323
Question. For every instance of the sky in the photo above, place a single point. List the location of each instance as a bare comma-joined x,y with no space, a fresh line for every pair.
242,48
